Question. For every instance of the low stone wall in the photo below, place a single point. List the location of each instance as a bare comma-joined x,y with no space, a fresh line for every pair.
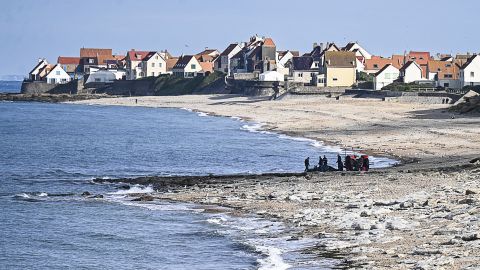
419,97
40,87
255,88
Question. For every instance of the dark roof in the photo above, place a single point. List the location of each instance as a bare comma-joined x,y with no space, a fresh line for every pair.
183,61
340,59
38,64
383,69
349,46
229,49
469,61
207,51
409,63
302,63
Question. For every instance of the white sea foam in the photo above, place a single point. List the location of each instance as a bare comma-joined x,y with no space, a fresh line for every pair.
43,194
237,118
273,260
186,109
136,189
23,195
217,220
203,114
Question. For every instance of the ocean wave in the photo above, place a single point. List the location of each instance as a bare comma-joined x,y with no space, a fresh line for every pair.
136,189
186,109
273,258
202,114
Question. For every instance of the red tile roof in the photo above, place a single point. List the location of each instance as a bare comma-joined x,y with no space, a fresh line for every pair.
269,42
91,52
377,63
63,60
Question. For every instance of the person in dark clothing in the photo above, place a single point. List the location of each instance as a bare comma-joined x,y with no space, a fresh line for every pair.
320,162
366,163
307,163
355,164
339,163
325,163
360,164
348,163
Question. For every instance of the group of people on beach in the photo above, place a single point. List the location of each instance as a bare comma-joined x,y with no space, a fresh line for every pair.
352,163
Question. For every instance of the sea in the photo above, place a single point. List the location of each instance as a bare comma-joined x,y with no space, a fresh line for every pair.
51,152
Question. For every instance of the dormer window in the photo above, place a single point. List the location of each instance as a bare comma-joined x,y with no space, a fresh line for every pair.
138,56
448,65
375,66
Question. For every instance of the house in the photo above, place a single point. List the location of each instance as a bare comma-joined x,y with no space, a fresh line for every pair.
339,69
421,58
283,57
171,62
187,66
387,75
444,73
303,70
223,62
212,53
470,72
411,72
94,57
359,50
258,56
398,61
376,63
141,64
271,76
318,53
120,74
71,65
34,75
43,72
57,75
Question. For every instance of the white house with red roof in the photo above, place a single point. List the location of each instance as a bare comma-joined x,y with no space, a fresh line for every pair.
34,75
141,64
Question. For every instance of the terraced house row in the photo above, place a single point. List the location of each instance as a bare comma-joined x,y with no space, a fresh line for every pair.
259,59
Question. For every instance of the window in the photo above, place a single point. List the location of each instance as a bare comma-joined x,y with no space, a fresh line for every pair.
98,80
156,57
316,64
57,72
438,69
448,65
52,81
153,64
472,74
193,66
300,75
448,76
375,66
153,73
159,64
64,80
335,79
141,74
91,61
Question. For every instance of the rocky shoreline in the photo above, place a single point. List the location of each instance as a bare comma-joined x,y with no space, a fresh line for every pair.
419,215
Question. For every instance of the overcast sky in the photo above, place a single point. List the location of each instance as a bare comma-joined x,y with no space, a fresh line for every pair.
30,29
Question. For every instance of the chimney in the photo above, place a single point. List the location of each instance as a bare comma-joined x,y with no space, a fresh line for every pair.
315,45
321,46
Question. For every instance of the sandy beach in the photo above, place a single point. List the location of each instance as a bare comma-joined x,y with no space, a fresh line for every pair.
422,214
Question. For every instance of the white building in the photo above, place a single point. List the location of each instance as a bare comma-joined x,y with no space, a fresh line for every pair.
34,75
411,72
470,72
187,67
271,76
223,62
141,64
57,75
355,47
387,75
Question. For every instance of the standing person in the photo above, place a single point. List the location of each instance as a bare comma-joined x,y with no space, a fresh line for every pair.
366,163
348,163
320,162
355,163
307,163
339,163
325,163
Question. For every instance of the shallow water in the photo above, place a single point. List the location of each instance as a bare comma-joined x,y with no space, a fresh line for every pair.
50,152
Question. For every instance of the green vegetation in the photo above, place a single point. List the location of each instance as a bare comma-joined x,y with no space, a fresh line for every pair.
407,87
172,85
364,77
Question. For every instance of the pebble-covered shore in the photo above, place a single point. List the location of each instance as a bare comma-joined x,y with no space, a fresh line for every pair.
416,216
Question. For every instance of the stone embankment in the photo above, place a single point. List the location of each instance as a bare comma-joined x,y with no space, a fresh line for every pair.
53,98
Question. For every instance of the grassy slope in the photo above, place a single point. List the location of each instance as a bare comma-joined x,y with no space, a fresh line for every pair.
171,85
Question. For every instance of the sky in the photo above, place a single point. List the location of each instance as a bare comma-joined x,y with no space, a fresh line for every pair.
32,29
